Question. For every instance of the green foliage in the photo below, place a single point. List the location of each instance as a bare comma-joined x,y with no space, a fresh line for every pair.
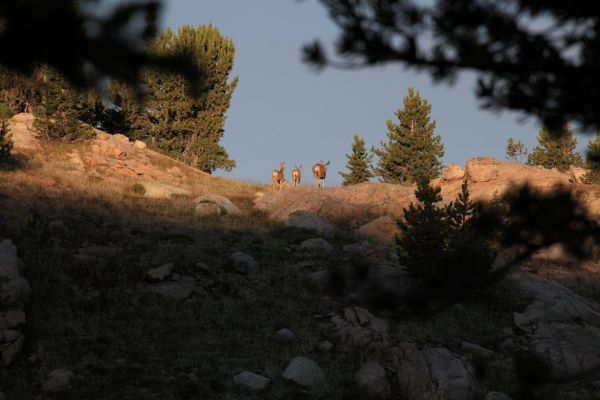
593,165
6,143
359,164
138,188
555,150
413,152
180,125
442,246
58,114
515,151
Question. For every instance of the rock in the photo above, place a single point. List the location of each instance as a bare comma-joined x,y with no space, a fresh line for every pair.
384,229
157,190
358,328
57,381
372,378
497,396
320,279
453,172
15,291
172,290
243,263
227,207
316,246
433,373
174,171
482,169
23,134
101,252
477,351
325,346
56,227
252,381
12,344
285,335
160,273
204,209
139,144
304,372
118,137
9,262
576,174
14,319
309,220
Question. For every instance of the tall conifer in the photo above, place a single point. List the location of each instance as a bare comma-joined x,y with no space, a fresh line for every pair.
359,164
412,152
555,149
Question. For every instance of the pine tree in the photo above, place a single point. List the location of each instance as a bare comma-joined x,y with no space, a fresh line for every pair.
593,165
6,143
186,127
359,164
413,152
555,150
515,151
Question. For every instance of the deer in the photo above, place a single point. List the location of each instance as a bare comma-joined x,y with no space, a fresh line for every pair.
296,175
319,172
278,177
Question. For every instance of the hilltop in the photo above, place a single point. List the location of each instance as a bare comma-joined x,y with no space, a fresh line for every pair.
127,274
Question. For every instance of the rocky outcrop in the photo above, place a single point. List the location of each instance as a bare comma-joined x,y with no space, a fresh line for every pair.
14,293
431,373
24,136
564,328
453,172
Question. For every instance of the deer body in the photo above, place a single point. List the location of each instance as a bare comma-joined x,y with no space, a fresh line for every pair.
319,172
278,175
297,175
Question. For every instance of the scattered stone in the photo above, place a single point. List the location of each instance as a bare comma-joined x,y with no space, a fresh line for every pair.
57,381
176,291
372,378
453,172
304,372
497,396
204,209
325,346
285,335
56,227
385,229
316,246
139,144
159,274
243,263
226,206
310,220
477,351
252,381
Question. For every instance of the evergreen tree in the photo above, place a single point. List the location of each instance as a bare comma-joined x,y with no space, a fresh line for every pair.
58,114
186,127
6,143
515,151
413,152
555,150
442,246
593,165
359,164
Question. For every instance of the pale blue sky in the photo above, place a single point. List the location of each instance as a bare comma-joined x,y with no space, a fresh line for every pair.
283,110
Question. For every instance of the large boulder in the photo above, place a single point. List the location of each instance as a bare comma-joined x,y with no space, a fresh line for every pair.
304,372
453,172
385,229
372,378
309,220
482,169
224,204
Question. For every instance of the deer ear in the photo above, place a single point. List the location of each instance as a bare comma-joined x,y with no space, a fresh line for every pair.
328,162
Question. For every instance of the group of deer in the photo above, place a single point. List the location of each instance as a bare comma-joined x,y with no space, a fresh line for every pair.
319,171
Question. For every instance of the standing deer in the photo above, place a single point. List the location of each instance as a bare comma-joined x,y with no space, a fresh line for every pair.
319,172
278,177
296,175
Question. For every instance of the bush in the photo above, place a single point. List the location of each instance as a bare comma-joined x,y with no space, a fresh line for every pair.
138,189
6,143
442,246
